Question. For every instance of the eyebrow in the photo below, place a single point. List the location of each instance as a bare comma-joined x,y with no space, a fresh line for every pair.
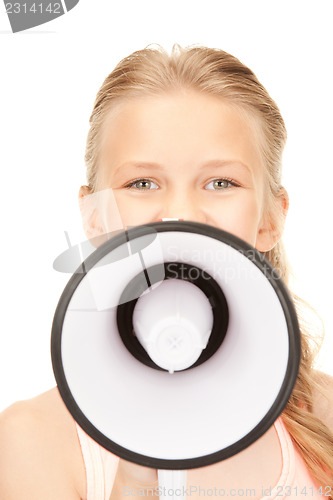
225,163
209,164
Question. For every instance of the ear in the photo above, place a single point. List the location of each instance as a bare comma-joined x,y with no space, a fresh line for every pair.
272,223
91,217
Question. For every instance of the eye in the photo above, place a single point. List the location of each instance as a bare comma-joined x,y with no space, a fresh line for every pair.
141,185
222,184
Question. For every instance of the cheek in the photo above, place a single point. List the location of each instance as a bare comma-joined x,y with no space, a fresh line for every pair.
240,218
135,212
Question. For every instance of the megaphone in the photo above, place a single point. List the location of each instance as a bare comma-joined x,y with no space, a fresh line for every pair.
167,333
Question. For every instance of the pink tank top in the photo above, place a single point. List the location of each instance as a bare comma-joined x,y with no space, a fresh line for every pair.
294,481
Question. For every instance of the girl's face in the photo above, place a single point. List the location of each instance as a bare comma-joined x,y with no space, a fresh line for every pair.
188,156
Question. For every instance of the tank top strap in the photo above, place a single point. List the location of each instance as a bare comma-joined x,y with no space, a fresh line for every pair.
288,462
100,465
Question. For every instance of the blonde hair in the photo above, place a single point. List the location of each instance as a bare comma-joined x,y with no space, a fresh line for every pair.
153,71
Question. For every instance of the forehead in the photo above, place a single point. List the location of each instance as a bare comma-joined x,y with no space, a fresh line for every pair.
180,129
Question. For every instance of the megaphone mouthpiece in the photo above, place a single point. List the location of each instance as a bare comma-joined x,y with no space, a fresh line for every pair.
173,323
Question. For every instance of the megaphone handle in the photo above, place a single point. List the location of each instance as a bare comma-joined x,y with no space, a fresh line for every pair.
172,484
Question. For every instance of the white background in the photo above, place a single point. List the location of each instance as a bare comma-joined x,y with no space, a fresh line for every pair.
49,79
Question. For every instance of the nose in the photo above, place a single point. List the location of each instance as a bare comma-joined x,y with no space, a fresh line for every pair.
183,208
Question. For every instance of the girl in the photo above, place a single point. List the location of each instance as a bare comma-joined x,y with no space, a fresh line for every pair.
191,135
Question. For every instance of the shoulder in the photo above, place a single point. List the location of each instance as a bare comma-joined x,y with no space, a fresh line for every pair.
40,450
323,398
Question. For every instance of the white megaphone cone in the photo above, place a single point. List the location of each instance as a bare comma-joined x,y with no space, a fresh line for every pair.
174,329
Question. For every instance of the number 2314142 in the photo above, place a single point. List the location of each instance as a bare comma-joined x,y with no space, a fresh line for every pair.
35,8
